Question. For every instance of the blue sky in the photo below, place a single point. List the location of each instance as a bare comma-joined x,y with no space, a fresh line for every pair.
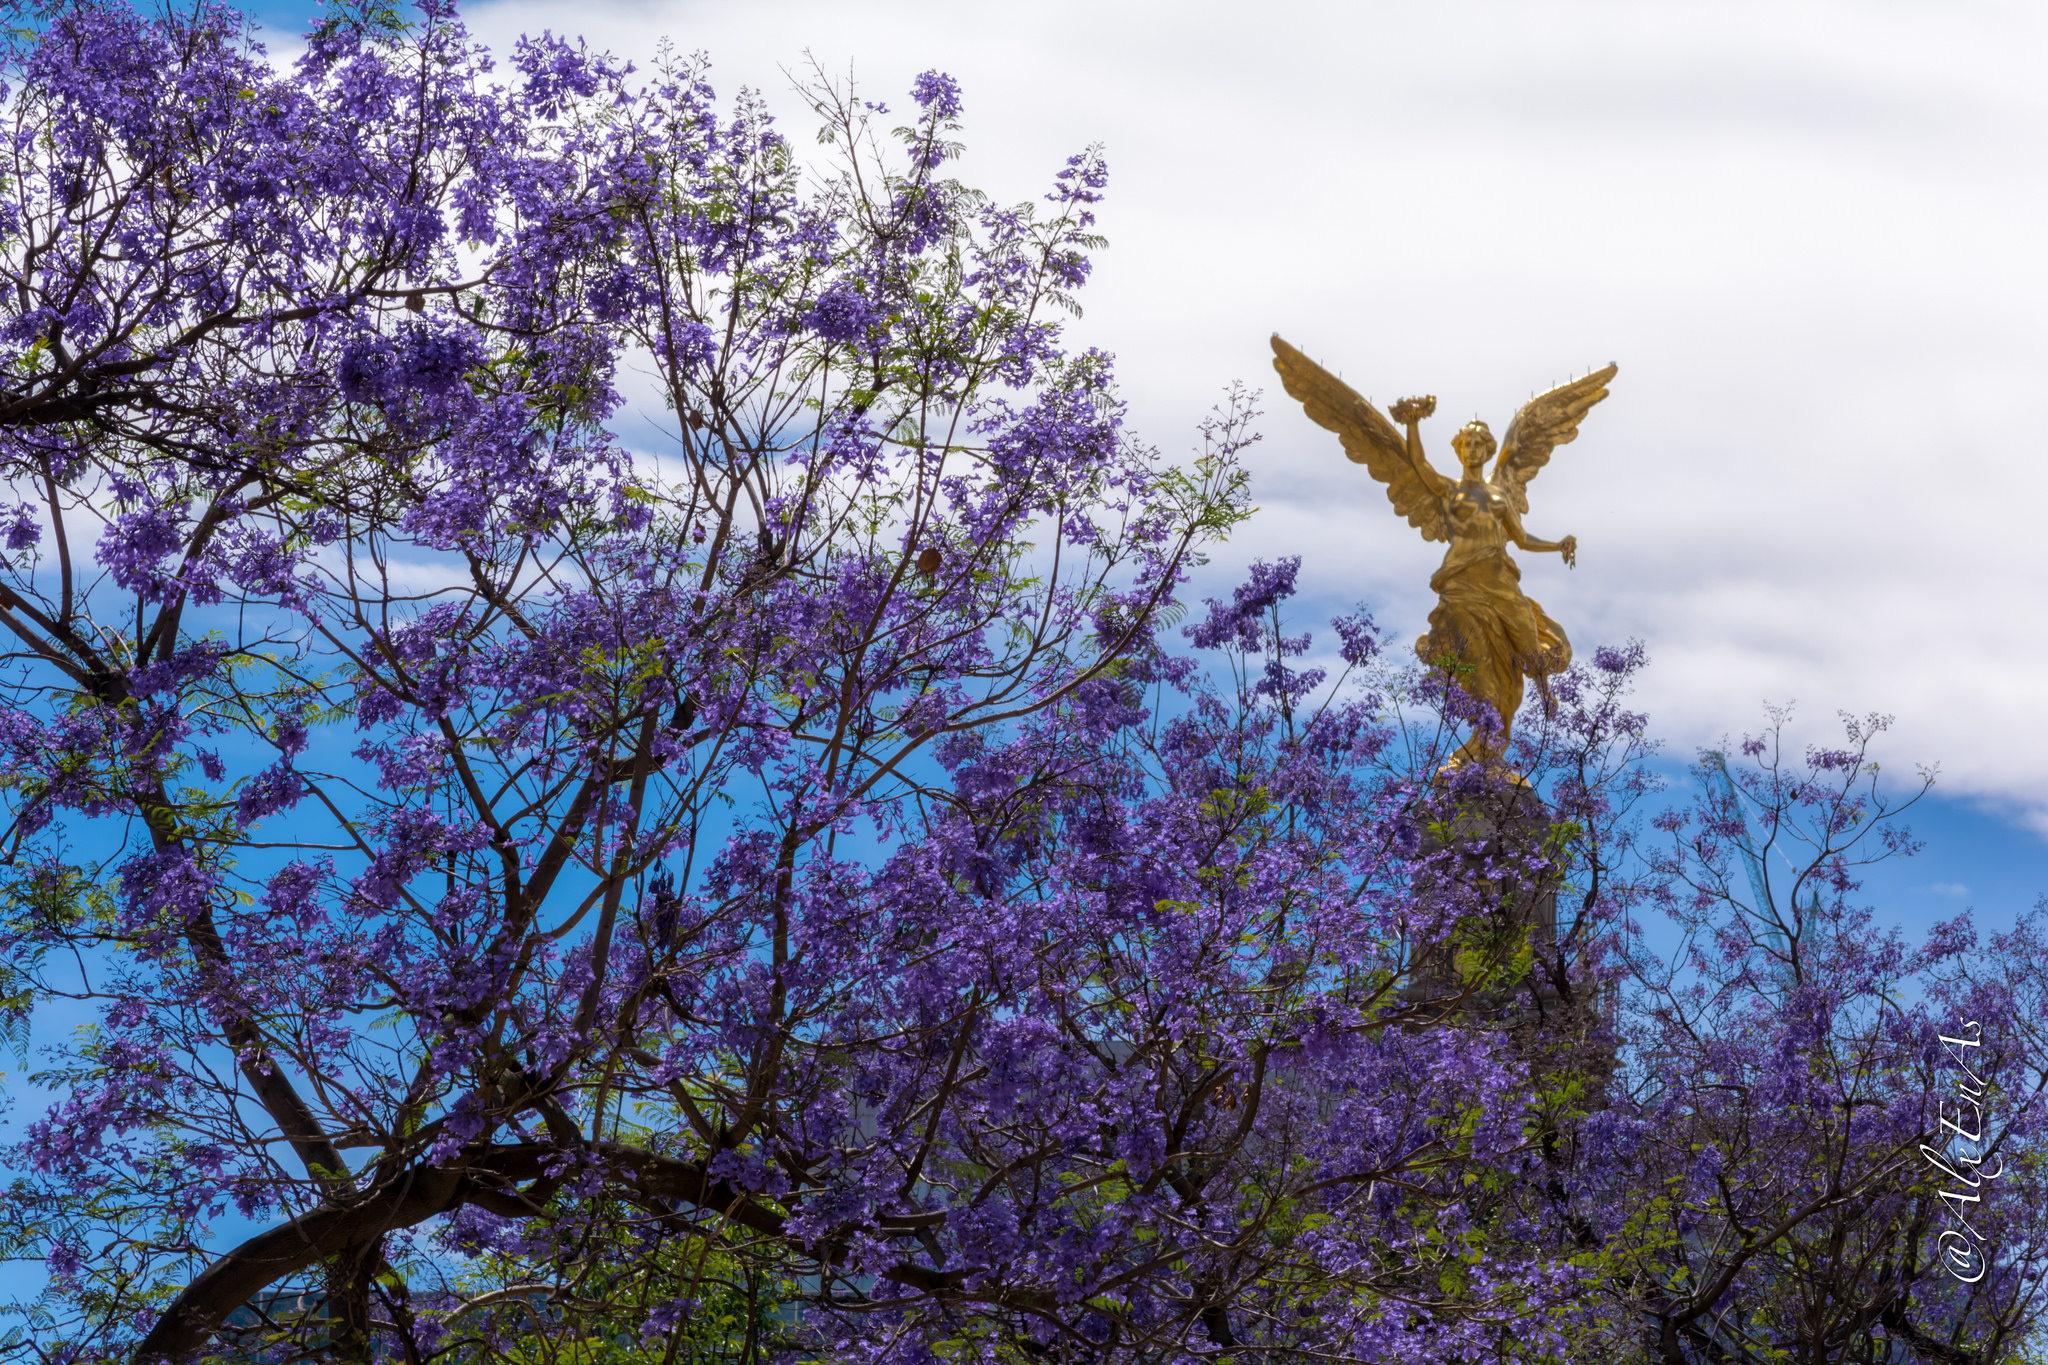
1807,230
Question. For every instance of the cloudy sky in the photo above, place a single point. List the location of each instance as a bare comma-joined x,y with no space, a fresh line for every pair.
1810,234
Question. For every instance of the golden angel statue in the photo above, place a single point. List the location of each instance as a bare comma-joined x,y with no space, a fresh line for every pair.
1482,623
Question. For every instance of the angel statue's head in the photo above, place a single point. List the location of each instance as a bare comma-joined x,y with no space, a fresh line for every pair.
1474,444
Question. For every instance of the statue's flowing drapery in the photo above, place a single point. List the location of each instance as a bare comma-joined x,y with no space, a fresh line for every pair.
1484,621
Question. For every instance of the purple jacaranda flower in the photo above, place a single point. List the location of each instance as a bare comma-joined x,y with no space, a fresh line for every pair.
1239,623
840,314
23,527
937,94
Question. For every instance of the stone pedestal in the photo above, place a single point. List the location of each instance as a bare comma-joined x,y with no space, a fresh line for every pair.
1487,870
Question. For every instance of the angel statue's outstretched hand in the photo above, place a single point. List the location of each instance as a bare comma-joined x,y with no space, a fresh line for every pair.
1482,625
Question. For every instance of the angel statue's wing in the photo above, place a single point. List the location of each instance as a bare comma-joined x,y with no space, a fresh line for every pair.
1545,422
1369,439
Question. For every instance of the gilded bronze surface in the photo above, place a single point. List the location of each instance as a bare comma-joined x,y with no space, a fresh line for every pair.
1483,625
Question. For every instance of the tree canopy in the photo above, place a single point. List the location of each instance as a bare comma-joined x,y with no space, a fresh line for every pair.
604,722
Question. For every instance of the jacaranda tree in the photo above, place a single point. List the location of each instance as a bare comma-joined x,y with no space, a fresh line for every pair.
1800,1164
600,721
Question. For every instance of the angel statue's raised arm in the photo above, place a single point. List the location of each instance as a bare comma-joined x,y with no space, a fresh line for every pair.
1482,624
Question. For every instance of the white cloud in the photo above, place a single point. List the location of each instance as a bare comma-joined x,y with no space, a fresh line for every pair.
1808,232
